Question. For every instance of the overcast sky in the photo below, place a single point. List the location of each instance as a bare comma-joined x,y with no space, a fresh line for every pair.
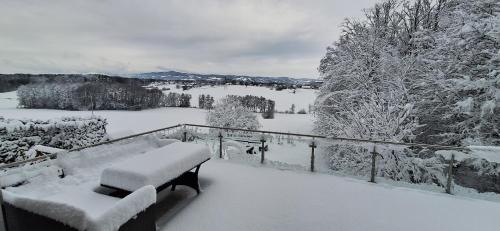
253,37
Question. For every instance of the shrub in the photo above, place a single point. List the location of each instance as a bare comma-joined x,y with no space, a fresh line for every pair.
18,136
230,113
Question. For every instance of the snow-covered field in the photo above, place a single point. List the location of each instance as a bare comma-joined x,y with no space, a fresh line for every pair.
8,100
123,122
284,99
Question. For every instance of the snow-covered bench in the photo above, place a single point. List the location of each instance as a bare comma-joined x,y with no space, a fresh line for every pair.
80,210
170,165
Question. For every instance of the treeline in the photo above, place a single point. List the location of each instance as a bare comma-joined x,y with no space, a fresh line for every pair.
176,100
249,102
96,96
206,102
256,104
10,82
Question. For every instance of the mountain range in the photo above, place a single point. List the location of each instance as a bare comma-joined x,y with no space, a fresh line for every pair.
177,75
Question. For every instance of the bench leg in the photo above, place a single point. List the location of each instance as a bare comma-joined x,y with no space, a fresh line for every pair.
189,179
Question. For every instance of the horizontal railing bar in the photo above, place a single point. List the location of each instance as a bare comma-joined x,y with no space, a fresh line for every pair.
444,147
14,164
256,131
338,138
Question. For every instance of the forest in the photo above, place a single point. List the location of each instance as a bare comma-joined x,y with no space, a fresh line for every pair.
97,95
10,82
256,104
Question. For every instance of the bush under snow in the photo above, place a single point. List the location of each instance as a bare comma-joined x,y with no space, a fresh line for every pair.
18,136
230,113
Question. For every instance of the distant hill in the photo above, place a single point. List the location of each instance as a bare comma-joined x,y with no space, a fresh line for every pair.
177,75
10,82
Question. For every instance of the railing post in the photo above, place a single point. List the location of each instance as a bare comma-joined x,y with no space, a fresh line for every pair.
450,174
263,141
374,159
220,145
313,146
184,134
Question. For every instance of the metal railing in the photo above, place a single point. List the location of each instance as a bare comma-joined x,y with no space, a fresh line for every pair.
312,146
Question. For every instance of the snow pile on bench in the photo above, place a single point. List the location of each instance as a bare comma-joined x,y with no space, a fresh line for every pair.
81,168
155,167
85,209
25,173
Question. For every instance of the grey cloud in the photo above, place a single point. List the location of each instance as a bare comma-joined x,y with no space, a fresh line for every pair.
261,37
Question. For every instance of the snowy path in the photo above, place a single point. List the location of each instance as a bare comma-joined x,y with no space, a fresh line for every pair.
239,197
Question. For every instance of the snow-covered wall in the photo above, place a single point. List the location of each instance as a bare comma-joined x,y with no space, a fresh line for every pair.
18,136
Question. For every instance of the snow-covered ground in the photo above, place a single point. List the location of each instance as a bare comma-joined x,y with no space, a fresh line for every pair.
284,99
241,197
8,100
238,197
145,120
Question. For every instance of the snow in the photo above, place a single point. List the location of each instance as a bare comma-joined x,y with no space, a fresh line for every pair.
490,153
8,99
155,167
458,155
122,123
238,197
24,173
84,209
488,107
284,149
46,149
284,99
125,209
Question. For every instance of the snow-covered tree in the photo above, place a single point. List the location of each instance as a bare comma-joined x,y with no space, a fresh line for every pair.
229,112
457,78
364,93
205,101
95,96
412,70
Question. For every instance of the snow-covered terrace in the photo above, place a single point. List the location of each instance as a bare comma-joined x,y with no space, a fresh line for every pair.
239,196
